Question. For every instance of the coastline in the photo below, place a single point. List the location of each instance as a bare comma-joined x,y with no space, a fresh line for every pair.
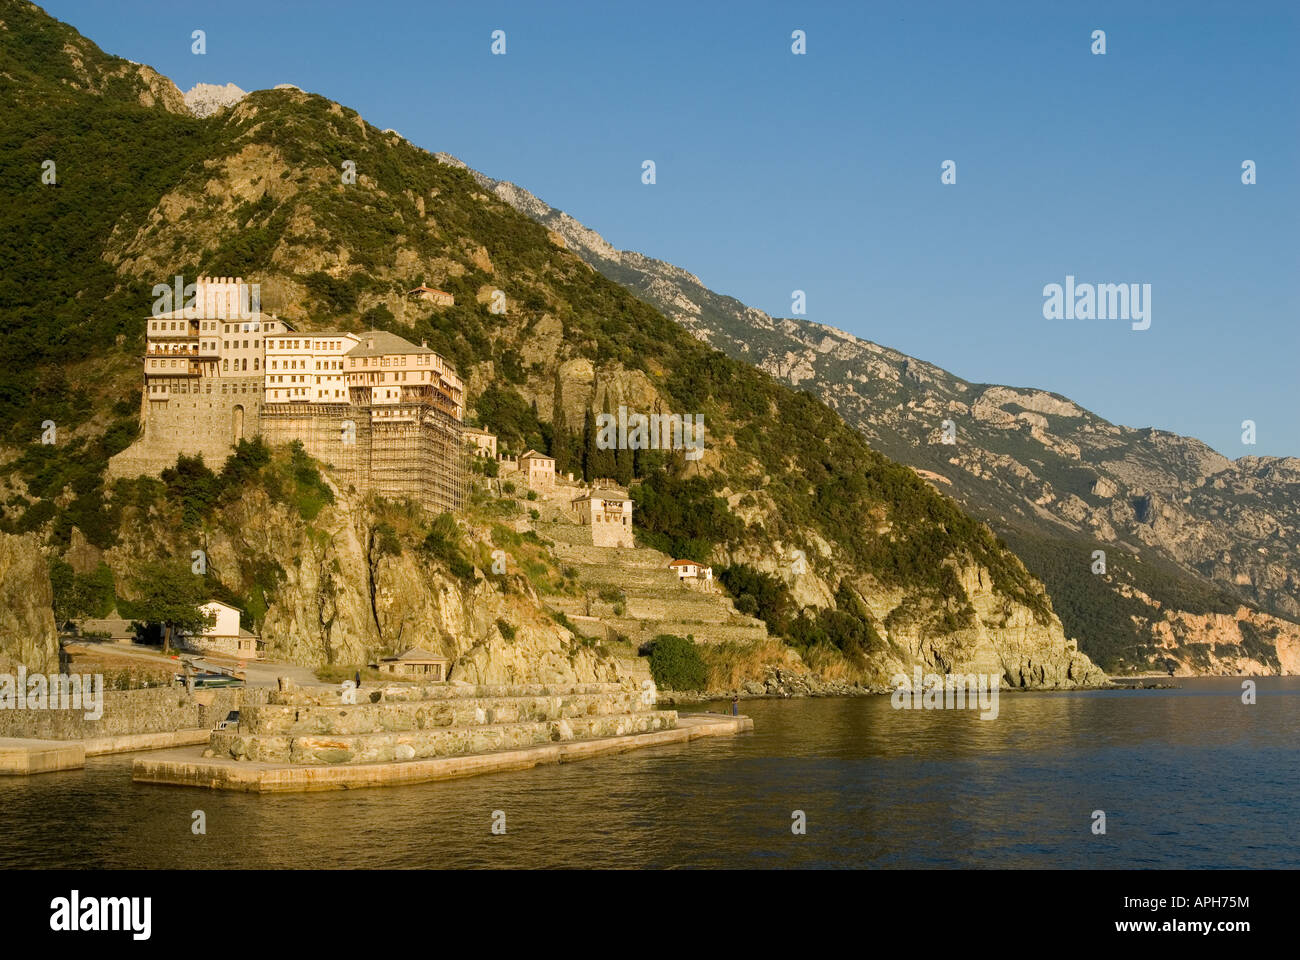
798,686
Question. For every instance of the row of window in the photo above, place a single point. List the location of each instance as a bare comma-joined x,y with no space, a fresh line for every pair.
304,344
300,378
302,364
302,392
182,386
166,326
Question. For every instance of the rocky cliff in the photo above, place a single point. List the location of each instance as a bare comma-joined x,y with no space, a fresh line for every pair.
27,634
349,588
1185,526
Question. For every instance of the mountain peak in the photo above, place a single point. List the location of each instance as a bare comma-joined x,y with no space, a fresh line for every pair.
205,99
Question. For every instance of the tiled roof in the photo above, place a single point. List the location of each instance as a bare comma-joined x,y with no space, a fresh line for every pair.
378,343
416,653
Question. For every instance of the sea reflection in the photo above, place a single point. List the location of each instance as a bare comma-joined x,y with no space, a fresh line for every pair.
1187,778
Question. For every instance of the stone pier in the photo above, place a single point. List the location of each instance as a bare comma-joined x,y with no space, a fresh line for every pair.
309,739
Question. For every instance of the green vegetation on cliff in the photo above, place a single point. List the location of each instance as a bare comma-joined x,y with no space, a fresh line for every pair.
255,191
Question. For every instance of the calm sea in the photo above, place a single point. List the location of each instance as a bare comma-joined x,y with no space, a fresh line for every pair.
1186,778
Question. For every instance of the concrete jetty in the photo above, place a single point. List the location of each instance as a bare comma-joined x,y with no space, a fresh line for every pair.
25,757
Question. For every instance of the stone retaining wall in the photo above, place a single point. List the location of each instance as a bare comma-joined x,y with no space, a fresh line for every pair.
426,714
127,712
403,692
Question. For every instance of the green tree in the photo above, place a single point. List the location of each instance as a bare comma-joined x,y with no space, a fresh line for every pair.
561,441
588,443
623,466
675,663
171,597
602,460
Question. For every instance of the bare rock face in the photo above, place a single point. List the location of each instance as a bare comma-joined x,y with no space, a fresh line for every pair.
339,597
27,634
1005,640
205,99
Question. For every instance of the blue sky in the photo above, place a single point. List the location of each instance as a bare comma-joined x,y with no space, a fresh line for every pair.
821,172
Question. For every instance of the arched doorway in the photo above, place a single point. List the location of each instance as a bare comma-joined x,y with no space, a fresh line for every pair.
237,423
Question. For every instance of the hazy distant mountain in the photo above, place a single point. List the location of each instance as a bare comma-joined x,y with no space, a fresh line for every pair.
1201,551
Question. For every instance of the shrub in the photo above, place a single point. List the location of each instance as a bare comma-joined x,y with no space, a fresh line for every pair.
443,542
675,664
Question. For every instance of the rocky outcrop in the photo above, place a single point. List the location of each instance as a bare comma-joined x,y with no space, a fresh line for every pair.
1003,639
27,633
205,99
340,596
1244,643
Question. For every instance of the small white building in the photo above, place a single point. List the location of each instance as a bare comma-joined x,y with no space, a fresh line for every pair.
225,635
484,444
432,295
690,570
537,469
608,514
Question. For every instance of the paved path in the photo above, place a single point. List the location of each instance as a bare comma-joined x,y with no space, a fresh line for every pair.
256,673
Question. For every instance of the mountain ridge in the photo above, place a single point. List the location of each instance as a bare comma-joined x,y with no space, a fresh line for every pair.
1131,499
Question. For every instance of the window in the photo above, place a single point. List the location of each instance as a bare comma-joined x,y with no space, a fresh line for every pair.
225,365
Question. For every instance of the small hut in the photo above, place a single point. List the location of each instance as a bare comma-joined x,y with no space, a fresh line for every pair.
416,662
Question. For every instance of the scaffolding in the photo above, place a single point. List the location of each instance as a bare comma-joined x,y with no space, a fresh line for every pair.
408,451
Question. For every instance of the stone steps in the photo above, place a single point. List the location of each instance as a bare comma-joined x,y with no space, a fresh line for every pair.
627,579
404,745
639,631
639,557
396,715
403,692
400,721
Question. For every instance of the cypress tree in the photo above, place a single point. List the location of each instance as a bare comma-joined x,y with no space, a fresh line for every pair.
560,439
588,444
